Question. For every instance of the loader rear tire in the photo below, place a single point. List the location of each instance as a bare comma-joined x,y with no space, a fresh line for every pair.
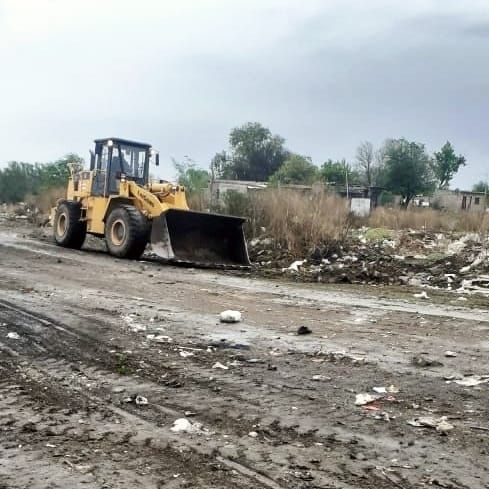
69,231
126,232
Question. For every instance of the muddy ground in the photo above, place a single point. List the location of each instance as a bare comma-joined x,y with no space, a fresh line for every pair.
81,332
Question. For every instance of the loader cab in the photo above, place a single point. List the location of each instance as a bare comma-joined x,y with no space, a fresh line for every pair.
116,158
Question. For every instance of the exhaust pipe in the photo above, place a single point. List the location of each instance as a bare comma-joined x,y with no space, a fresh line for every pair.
199,238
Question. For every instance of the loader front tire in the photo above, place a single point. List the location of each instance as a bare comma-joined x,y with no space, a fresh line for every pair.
69,231
126,232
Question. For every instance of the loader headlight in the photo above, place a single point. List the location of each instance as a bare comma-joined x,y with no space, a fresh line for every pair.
110,143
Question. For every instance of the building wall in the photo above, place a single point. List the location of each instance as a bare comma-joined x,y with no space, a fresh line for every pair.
220,187
360,206
457,201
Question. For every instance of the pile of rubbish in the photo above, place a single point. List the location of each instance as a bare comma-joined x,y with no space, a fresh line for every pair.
22,212
451,261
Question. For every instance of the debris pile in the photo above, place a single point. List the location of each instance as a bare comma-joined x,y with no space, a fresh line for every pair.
22,212
450,261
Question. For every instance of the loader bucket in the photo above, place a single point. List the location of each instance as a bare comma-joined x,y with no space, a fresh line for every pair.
199,238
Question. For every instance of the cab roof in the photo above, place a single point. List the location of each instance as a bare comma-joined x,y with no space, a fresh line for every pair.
123,141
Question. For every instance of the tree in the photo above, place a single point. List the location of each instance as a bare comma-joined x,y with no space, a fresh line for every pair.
56,174
338,173
255,153
19,179
365,161
296,169
481,187
445,164
218,164
192,178
408,170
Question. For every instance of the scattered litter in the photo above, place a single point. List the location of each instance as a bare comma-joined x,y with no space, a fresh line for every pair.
295,265
253,434
184,425
136,399
84,469
303,330
450,353
440,424
364,398
13,335
135,327
383,416
50,445
159,338
472,380
220,365
320,377
416,258
420,361
230,316
392,389
185,354
189,413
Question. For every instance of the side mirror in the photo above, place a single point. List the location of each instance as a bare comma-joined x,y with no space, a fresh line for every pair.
157,159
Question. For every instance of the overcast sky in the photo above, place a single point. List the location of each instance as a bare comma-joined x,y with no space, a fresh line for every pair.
179,74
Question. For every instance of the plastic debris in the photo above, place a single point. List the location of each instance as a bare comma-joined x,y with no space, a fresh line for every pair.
185,354
159,338
391,389
440,424
450,353
421,295
253,434
136,399
183,425
365,398
320,377
13,335
472,380
230,316
303,330
220,365
295,266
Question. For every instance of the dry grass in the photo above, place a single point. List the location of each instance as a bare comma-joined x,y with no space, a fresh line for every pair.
429,220
296,221
46,199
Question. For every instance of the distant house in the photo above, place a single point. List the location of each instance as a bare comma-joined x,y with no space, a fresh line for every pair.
218,188
459,200
362,199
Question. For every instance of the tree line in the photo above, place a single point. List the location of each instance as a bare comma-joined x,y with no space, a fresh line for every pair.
400,166
20,179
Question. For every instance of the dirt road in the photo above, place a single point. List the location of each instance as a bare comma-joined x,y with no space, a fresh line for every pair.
81,332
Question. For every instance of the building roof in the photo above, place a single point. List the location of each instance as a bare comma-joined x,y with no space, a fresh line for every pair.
124,141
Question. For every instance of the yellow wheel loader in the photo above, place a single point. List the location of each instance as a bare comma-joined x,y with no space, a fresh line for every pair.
115,199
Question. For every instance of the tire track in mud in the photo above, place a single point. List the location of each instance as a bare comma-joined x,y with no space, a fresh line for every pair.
98,446
279,447
244,453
